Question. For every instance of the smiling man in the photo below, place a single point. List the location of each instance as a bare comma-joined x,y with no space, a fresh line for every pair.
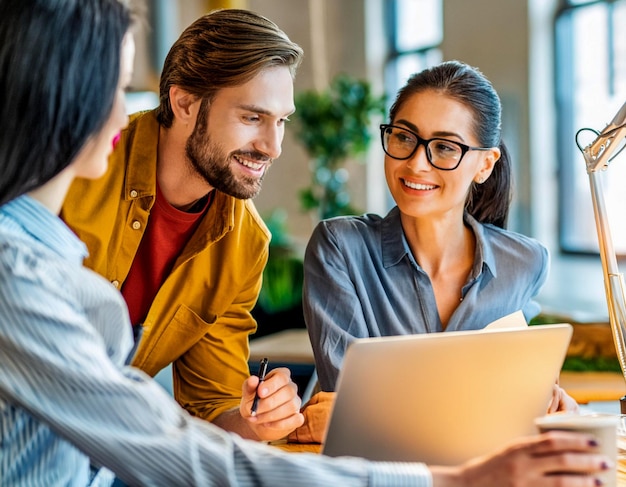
177,232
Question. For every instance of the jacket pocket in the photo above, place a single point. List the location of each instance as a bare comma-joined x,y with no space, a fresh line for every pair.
169,341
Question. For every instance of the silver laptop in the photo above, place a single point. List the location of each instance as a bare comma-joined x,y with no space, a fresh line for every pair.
443,398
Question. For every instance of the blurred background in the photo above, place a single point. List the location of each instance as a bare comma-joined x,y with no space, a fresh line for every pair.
558,65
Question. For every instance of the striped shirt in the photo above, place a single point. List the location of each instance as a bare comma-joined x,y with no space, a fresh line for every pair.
66,397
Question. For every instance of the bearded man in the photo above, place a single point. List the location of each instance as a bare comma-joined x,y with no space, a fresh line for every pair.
177,232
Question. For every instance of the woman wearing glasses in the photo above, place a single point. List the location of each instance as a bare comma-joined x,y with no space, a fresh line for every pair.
441,259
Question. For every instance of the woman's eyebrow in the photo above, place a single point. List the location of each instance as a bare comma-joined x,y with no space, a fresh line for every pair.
439,133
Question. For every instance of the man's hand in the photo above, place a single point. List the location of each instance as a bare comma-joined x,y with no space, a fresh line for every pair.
278,408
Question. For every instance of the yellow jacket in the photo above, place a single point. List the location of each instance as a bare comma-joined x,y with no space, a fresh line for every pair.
200,319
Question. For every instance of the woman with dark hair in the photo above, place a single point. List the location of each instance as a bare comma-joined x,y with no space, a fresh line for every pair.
64,66
489,196
60,78
441,259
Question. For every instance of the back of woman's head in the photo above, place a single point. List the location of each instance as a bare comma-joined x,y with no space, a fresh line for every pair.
222,49
59,70
488,202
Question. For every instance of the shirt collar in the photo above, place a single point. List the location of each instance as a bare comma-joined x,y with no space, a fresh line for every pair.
484,257
395,246
143,132
46,227
143,129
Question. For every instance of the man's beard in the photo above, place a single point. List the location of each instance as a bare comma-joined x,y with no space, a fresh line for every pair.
211,162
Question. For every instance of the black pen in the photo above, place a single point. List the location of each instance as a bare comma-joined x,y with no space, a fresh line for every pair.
262,372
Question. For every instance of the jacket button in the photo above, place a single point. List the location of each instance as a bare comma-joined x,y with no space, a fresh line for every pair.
136,225
133,193
116,283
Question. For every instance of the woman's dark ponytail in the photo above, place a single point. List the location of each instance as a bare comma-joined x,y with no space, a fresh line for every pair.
489,202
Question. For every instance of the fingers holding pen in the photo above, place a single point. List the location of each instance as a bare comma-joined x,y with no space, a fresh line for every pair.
277,410
277,392
262,373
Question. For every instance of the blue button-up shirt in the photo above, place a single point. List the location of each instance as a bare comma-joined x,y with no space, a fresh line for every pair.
66,396
361,280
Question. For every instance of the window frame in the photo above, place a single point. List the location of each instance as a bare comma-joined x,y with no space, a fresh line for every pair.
570,159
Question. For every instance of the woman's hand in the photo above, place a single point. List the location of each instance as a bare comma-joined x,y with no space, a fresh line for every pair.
555,458
562,401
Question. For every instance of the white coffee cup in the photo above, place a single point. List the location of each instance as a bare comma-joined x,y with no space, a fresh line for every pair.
621,450
602,426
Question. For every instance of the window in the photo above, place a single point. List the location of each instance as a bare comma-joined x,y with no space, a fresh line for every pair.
591,87
414,32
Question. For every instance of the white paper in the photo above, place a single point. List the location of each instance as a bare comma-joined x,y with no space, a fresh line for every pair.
513,320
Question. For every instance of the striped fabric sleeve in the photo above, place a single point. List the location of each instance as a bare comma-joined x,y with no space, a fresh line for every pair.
61,369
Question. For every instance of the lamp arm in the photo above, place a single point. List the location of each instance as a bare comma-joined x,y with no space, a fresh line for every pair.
598,153
597,157
614,286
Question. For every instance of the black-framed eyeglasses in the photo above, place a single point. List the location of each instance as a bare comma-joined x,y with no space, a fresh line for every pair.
400,143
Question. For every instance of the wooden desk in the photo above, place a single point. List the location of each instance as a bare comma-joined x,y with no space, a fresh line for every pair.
287,347
593,386
297,447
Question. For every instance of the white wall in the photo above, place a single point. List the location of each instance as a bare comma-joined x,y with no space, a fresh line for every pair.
492,35
511,42
344,47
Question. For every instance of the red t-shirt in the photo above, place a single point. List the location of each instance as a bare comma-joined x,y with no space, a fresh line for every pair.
167,233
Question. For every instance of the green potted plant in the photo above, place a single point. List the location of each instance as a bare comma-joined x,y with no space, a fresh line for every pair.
334,125
279,305
282,276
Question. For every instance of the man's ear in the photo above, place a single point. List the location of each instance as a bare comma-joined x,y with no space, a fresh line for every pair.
184,105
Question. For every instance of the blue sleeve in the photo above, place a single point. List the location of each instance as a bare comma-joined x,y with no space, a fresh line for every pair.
332,309
542,270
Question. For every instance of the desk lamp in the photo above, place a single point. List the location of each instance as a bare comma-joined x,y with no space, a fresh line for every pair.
598,155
